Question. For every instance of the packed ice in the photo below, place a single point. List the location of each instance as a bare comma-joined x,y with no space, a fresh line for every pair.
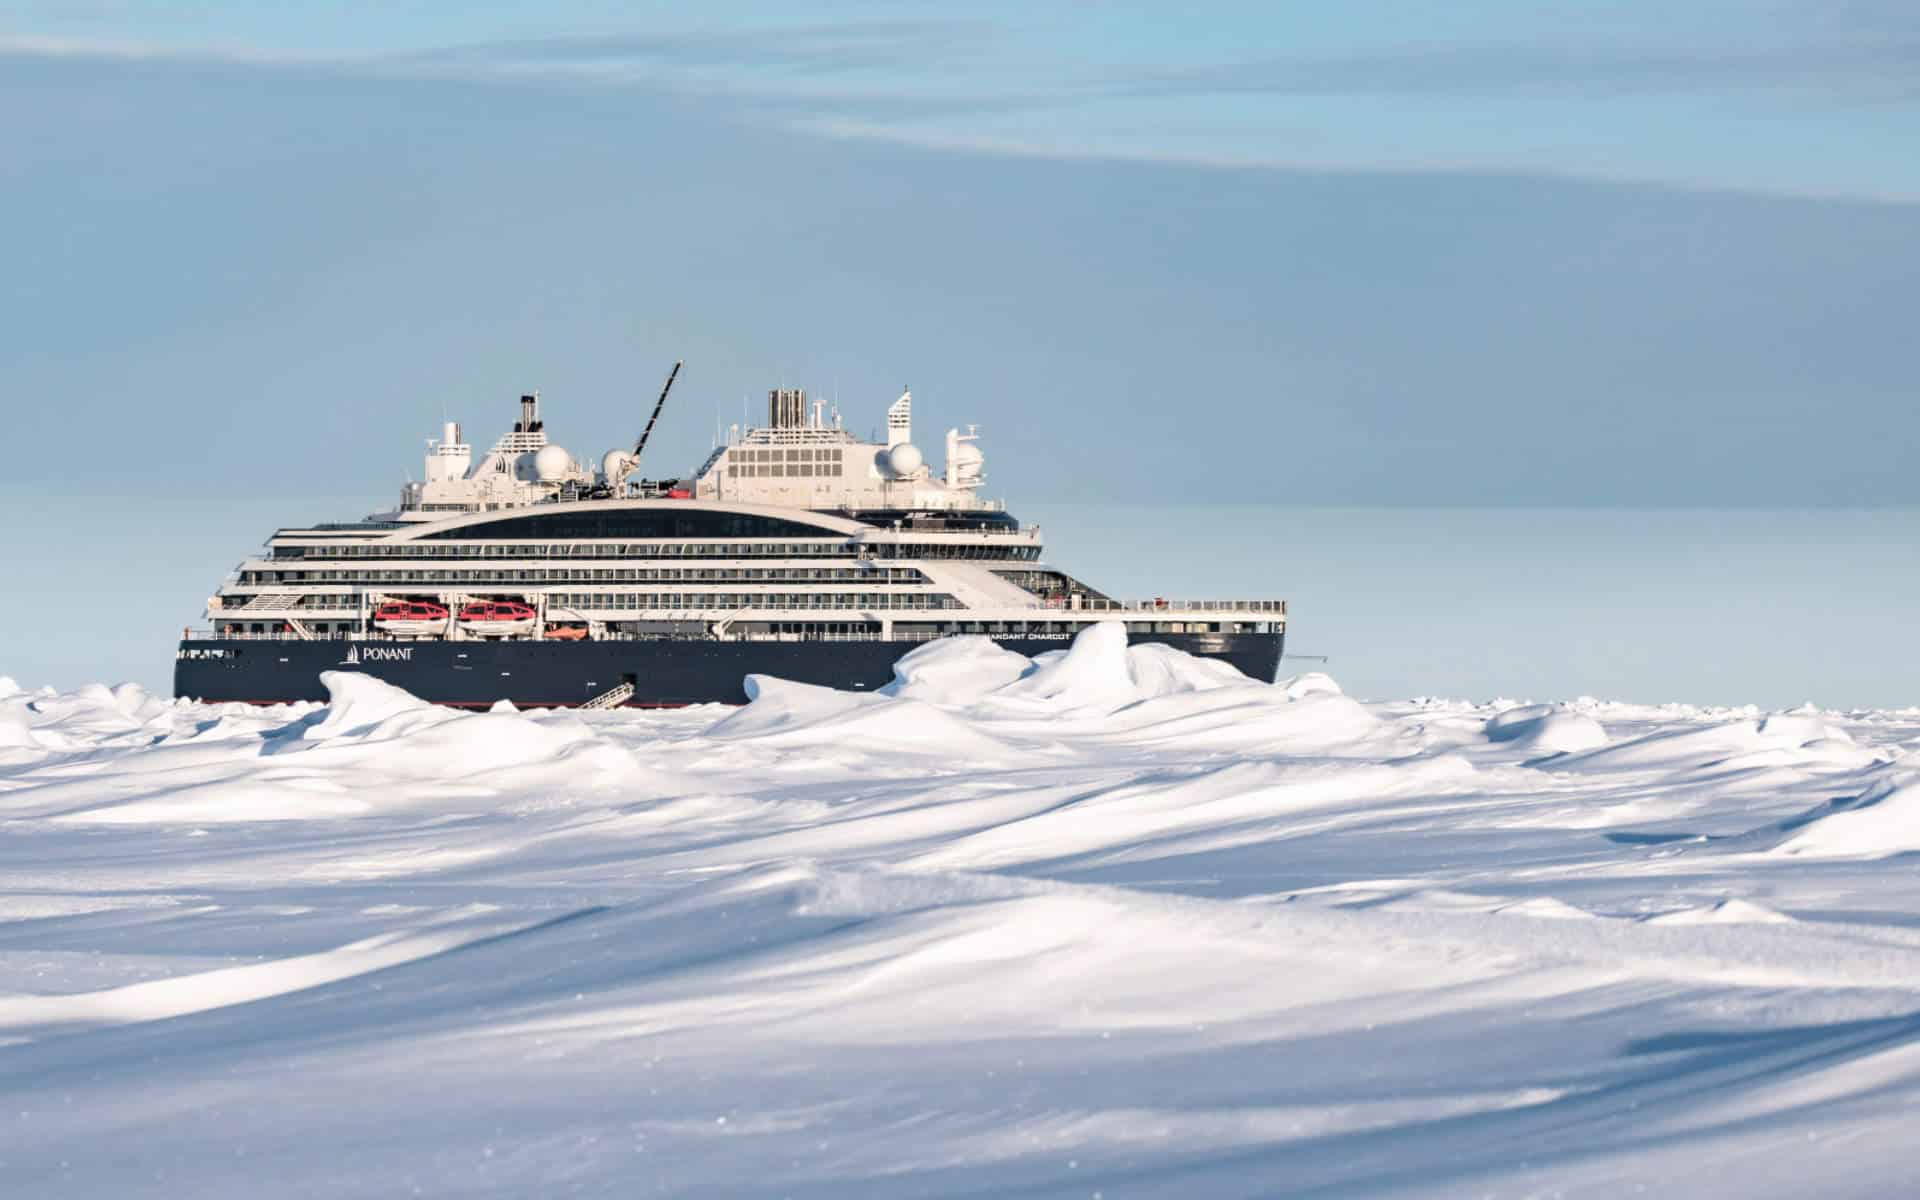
1113,921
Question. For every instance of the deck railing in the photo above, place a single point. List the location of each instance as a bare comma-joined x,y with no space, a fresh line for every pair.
1050,604
1089,604
1172,609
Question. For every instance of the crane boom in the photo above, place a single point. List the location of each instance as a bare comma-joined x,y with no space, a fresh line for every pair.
657,406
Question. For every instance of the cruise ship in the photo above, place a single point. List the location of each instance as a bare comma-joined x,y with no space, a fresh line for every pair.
797,550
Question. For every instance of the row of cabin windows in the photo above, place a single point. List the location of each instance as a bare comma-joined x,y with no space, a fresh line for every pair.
478,576
281,627
926,550
316,600
575,550
814,470
785,454
824,629
1002,551
738,600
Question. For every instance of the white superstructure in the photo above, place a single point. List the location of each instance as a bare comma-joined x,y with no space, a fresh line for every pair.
522,468
792,530
801,460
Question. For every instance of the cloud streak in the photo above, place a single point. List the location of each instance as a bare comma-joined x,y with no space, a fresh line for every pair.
801,51
1867,68
804,50
1866,49
974,84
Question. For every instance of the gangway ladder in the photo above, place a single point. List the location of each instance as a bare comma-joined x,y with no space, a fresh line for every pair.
613,697
278,604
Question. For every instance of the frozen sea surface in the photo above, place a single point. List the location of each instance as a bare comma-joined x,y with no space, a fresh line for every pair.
1113,923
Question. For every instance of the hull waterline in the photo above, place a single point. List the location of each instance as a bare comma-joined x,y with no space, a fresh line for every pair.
545,673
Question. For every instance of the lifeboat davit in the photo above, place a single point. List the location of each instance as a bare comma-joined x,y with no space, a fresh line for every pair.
411,618
496,618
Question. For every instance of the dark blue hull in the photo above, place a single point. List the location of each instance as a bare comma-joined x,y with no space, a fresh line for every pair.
546,674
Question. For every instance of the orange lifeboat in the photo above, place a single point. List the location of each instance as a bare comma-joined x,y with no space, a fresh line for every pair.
411,618
496,618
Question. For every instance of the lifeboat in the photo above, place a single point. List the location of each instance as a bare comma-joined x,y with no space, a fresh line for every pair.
567,633
496,618
411,618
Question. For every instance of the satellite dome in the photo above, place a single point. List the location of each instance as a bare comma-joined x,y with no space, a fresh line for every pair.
903,460
966,454
551,464
614,464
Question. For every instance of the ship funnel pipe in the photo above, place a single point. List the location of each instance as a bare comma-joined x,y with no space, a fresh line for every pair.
787,408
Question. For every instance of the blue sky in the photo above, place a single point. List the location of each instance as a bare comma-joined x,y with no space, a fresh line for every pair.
1490,253
1786,96
1401,254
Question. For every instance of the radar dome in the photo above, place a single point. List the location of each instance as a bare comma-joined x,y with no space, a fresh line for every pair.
903,460
966,454
614,464
551,464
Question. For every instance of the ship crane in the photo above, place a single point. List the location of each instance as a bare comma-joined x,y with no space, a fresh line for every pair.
617,466
641,445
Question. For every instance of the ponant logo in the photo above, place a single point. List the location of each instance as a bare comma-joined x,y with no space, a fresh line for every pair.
372,654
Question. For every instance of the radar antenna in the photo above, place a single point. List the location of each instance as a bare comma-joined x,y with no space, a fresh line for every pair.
658,405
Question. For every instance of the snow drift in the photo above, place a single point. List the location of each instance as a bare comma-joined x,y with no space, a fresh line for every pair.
1109,921
1881,821
1546,729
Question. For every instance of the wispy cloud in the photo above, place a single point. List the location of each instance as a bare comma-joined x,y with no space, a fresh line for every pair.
111,50
890,47
803,50
894,74
1878,67
978,85
881,71
900,70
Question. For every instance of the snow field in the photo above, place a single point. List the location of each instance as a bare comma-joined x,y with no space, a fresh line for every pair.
1110,922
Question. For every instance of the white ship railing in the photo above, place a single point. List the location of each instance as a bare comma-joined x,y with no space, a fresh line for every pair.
261,606
896,535
1156,605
